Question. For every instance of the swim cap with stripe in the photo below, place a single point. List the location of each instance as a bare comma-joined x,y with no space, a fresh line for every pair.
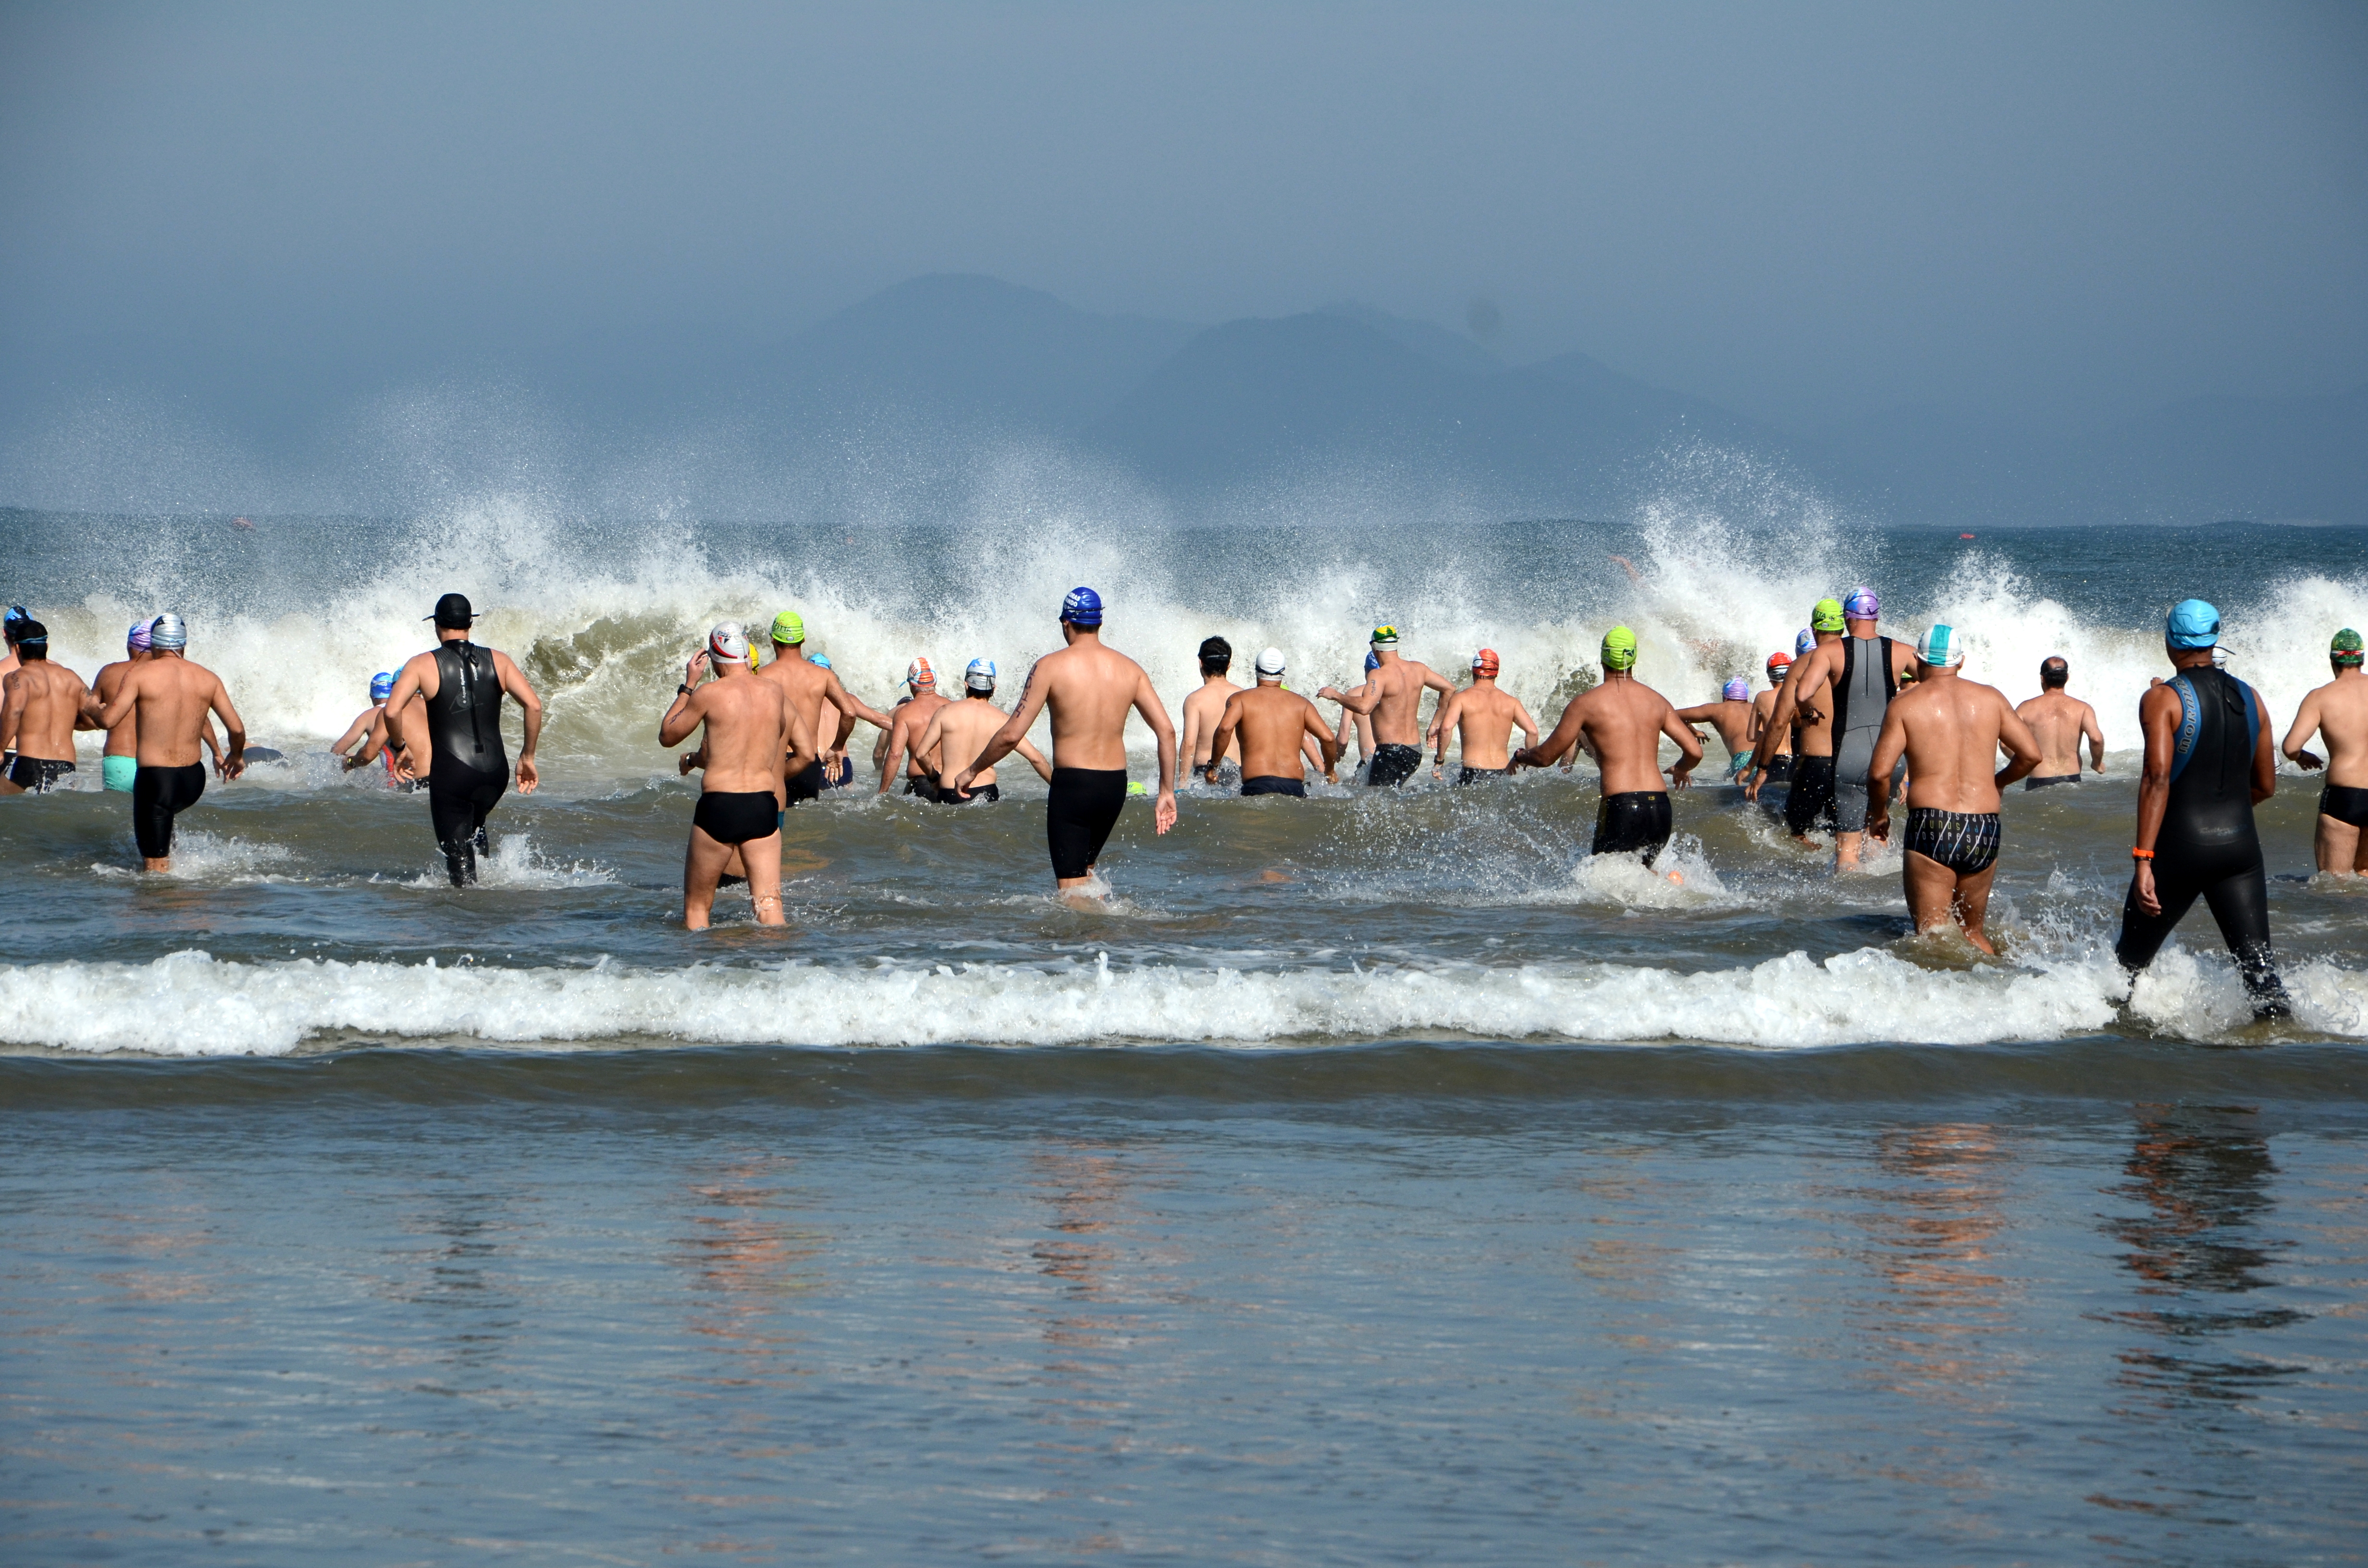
920,672
1803,643
137,638
1738,689
1270,663
2346,648
728,642
1778,662
1385,636
168,630
382,686
980,677
1940,648
1484,662
1619,649
1082,607
1826,615
1862,604
789,628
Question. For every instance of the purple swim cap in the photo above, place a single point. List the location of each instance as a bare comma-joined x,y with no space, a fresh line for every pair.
1738,689
137,638
1862,604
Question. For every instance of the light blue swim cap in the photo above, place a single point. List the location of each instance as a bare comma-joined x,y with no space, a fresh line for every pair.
2193,624
382,686
1803,643
980,677
819,660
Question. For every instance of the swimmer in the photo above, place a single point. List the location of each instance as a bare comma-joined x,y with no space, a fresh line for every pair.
1862,672
911,715
747,723
2338,712
367,723
1731,717
1805,704
2208,763
1088,688
2060,722
15,618
1274,727
1355,725
1951,731
1619,723
462,686
1393,696
42,706
119,768
812,683
1763,708
1484,714
170,697
959,732
1203,708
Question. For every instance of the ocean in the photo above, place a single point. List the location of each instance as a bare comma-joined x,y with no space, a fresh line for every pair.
1375,1177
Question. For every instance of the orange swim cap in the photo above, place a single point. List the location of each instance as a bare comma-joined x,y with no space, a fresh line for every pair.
1484,662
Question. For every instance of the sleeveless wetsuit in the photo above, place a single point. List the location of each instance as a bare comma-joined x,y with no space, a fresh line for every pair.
1861,697
2208,847
469,770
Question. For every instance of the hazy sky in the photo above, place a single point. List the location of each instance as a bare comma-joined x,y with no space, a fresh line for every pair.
1808,212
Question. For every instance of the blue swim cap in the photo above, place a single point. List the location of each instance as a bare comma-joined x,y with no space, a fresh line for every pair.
2193,624
1372,663
1082,607
820,660
980,677
1803,643
382,686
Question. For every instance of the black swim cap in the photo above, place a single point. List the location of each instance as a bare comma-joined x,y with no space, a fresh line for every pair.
1216,656
451,611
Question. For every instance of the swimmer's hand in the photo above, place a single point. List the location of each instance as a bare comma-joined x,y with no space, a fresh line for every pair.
526,775
2142,888
1163,815
962,782
1329,693
696,668
2306,761
234,764
1751,784
1681,776
685,763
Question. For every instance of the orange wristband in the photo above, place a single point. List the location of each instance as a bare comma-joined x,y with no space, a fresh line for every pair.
2142,854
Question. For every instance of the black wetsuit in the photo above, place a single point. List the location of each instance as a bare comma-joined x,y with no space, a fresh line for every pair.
2208,848
37,775
470,770
1079,813
1636,819
806,783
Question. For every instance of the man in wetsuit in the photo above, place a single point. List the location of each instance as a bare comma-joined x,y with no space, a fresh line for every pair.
811,685
42,706
1392,695
747,723
1804,712
1763,708
1484,715
1274,727
910,721
462,686
959,732
1861,671
171,697
2060,722
1621,723
1203,707
1089,689
2208,763
2338,712
1951,731
1731,717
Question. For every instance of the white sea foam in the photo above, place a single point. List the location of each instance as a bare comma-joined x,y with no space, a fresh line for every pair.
201,857
515,864
208,1007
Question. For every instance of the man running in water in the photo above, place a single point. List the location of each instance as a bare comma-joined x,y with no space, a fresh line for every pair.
462,686
911,720
2208,763
171,697
120,767
1951,731
42,706
1804,711
1483,714
1862,671
811,685
1763,708
959,732
2060,720
1731,717
1393,696
1621,723
1275,727
2338,712
1356,725
739,813
1088,688
1203,708
366,723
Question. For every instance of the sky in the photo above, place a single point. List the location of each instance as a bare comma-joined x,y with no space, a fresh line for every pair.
2042,213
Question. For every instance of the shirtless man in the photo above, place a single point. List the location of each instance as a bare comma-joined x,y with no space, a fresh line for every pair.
1951,731
1203,708
2338,712
371,722
1859,672
1356,724
810,686
1763,708
1089,689
747,723
1393,696
2060,720
1731,716
120,767
1484,714
896,747
172,699
16,617
1274,727
1621,723
959,732
42,706
1805,711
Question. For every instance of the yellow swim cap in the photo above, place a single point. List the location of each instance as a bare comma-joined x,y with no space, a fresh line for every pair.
789,628
1827,617
1619,649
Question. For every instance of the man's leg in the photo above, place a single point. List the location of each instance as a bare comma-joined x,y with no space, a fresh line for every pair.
1973,905
2240,907
1931,890
2338,845
702,864
762,856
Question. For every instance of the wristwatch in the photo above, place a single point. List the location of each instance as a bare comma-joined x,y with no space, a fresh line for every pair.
683,689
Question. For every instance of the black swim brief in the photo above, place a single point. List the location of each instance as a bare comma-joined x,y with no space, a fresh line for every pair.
1393,764
1780,765
1482,775
37,774
2030,784
737,816
1965,842
840,777
1636,819
1811,801
2345,804
806,783
946,797
1078,815
1275,784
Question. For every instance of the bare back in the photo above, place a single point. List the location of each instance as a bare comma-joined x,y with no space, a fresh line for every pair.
1484,715
1269,722
903,735
169,697
2338,710
1088,689
1731,719
1763,712
43,699
1202,710
1397,712
747,722
1621,723
809,688
2057,721
1952,729
958,732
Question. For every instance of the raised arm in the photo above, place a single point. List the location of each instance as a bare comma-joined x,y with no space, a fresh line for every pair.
1362,700
514,682
2306,724
684,714
1147,702
357,730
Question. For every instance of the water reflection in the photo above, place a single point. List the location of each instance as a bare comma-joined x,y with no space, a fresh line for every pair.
469,1234
747,1260
1936,1323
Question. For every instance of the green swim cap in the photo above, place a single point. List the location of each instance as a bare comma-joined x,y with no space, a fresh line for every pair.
1619,649
2345,650
1827,617
789,628
1385,636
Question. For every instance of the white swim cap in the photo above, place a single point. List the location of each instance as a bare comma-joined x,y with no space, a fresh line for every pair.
728,642
1270,663
980,675
1938,647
